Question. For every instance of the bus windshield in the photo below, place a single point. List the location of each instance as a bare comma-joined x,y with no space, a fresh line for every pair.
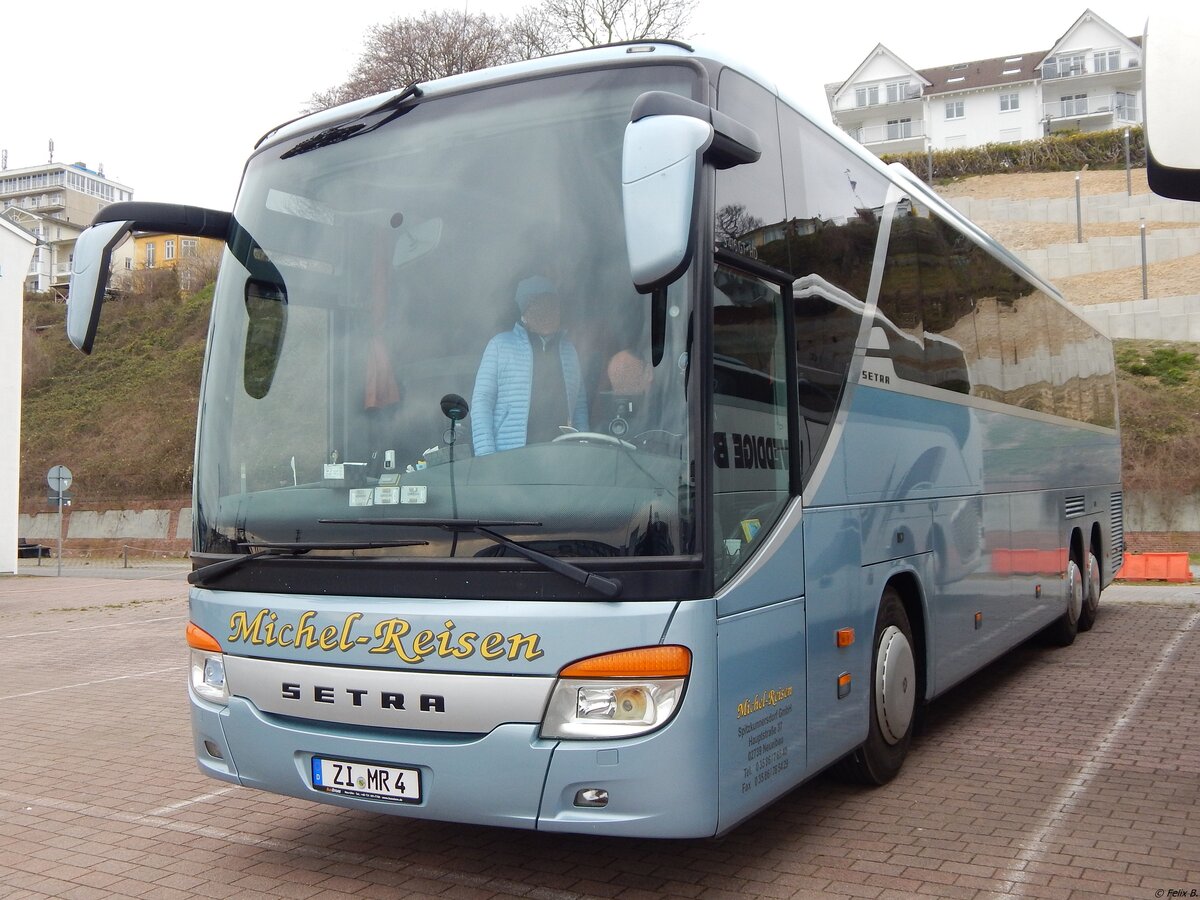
427,314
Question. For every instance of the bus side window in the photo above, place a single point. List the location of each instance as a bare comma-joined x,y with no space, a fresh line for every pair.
749,207
828,244
750,413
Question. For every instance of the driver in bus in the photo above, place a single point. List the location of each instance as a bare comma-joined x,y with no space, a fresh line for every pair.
529,386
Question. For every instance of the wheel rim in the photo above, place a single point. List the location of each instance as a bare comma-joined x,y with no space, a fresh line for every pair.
895,684
1074,591
1093,582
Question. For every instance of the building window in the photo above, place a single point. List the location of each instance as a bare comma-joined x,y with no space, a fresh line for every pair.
954,109
899,90
1106,60
187,246
898,129
169,249
866,96
1009,102
1075,105
150,255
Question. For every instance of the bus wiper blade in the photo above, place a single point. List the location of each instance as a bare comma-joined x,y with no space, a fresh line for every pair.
609,587
338,133
329,136
206,574
448,524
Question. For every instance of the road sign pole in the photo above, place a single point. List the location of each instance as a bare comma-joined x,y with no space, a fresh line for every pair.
59,478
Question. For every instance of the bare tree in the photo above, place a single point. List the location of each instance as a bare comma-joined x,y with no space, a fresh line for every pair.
436,44
198,267
534,34
587,23
422,48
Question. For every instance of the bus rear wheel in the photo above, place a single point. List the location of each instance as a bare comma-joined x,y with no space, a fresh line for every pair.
1091,593
1061,632
894,689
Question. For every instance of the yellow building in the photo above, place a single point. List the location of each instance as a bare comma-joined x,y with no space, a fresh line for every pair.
195,259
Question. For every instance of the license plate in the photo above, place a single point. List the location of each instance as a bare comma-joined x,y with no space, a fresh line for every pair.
358,779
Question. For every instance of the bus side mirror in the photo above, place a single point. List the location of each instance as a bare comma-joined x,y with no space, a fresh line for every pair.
1172,92
91,261
90,264
660,174
667,140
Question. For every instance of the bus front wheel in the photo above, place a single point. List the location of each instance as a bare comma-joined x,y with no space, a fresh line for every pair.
894,688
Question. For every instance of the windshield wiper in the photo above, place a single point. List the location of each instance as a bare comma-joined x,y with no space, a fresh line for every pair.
338,133
206,574
609,587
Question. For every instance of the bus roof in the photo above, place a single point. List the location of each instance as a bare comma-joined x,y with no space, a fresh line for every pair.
560,62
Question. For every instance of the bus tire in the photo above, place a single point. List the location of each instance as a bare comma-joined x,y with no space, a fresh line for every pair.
1091,593
1062,631
894,697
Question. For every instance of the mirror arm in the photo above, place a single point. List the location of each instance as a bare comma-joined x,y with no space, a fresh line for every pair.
734,144
168,217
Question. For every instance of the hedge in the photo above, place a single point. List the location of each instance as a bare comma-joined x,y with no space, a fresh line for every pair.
1057,153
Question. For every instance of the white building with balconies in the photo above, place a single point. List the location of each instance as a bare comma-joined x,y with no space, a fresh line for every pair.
55,202
1089,80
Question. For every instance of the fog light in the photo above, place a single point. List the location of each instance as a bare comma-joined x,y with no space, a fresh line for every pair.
213,750
592,798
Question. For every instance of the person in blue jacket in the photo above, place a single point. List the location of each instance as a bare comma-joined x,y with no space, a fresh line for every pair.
529,382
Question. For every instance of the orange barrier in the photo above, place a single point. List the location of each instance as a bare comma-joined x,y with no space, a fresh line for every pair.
1156,567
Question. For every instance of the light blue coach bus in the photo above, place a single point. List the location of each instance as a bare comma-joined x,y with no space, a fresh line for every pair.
827,450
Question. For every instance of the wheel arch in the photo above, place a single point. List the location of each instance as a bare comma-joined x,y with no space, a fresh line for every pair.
1076,546
1097,541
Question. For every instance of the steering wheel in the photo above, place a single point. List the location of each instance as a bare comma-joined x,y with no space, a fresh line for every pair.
591,437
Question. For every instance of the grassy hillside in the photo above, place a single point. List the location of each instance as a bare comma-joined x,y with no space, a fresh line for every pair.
1160,415
123,419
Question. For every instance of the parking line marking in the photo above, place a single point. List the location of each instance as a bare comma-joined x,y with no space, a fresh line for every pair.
164,810
497,885
92,627
82,684
1068,796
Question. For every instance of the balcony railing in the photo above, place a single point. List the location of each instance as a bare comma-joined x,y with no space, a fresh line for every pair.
872,99
880,134
1088,65
1121,109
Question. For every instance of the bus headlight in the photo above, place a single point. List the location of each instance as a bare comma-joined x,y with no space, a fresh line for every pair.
617,695
207,666
208,676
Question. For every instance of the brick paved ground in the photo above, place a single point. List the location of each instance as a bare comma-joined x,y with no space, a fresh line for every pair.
1055,773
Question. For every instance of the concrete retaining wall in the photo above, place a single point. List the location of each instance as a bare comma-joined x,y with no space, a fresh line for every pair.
1158,319
1103,254
1096,208
158,526
1162,318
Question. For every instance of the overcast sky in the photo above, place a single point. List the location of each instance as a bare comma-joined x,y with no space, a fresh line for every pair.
170,98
